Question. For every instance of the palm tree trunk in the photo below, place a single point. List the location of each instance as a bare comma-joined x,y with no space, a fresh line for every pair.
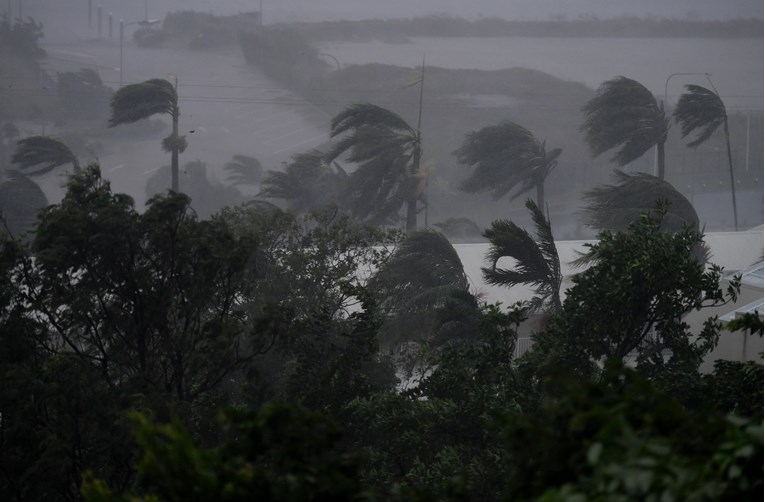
174,154
541,195
411,214
730,170
660,159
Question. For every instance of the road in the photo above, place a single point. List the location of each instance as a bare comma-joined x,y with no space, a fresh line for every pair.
227,108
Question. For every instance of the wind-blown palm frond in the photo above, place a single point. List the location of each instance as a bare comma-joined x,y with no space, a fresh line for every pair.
136,102
244,170
536,260
43,152
615,207
387,151
699,109
421,276
625,116
307,183
505,157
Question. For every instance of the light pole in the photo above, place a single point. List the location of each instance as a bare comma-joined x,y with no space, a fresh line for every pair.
123,25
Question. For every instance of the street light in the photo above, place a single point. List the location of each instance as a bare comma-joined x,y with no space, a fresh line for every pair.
123,24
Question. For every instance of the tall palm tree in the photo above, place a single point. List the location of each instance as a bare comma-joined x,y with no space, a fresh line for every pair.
244,170
625,116
422,276
307,183
388,153
37,155
506,156
537,262
136,102
701,110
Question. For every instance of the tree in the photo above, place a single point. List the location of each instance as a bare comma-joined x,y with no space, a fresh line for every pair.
615,207
702,111
388,153
307,182
422,277
536,261
625,116
20,200
44,151
647,280
140,101
244,170
506,156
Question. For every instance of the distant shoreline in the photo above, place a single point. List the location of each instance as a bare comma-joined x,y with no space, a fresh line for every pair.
400,30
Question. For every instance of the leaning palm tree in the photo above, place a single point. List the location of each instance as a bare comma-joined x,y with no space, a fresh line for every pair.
37,155
614,207
136,102
307,183
537,263
423,276
388,152
20,200
506,157
701,110
244,170
625,116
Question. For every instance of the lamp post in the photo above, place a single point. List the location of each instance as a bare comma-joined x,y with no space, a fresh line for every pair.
123,25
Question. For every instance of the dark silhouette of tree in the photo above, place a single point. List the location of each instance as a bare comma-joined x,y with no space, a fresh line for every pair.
506,157
307,183
615,207
536,259
626,117
20,200
244,170
140,101
37,155
388,152
702,111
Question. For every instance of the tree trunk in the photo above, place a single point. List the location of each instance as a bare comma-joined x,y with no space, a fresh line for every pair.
660,159
174,158
411,214
541,195
730,169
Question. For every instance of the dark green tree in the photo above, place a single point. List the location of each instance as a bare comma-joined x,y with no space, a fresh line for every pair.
388,152
624,116
140,101
536,259
702,111
506,157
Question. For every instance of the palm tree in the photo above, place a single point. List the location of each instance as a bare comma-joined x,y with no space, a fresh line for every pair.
423,276
45,153
388,152
615,207
702,110
20,200
625,116
244,170
506,156
307,182
136,102
537,262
